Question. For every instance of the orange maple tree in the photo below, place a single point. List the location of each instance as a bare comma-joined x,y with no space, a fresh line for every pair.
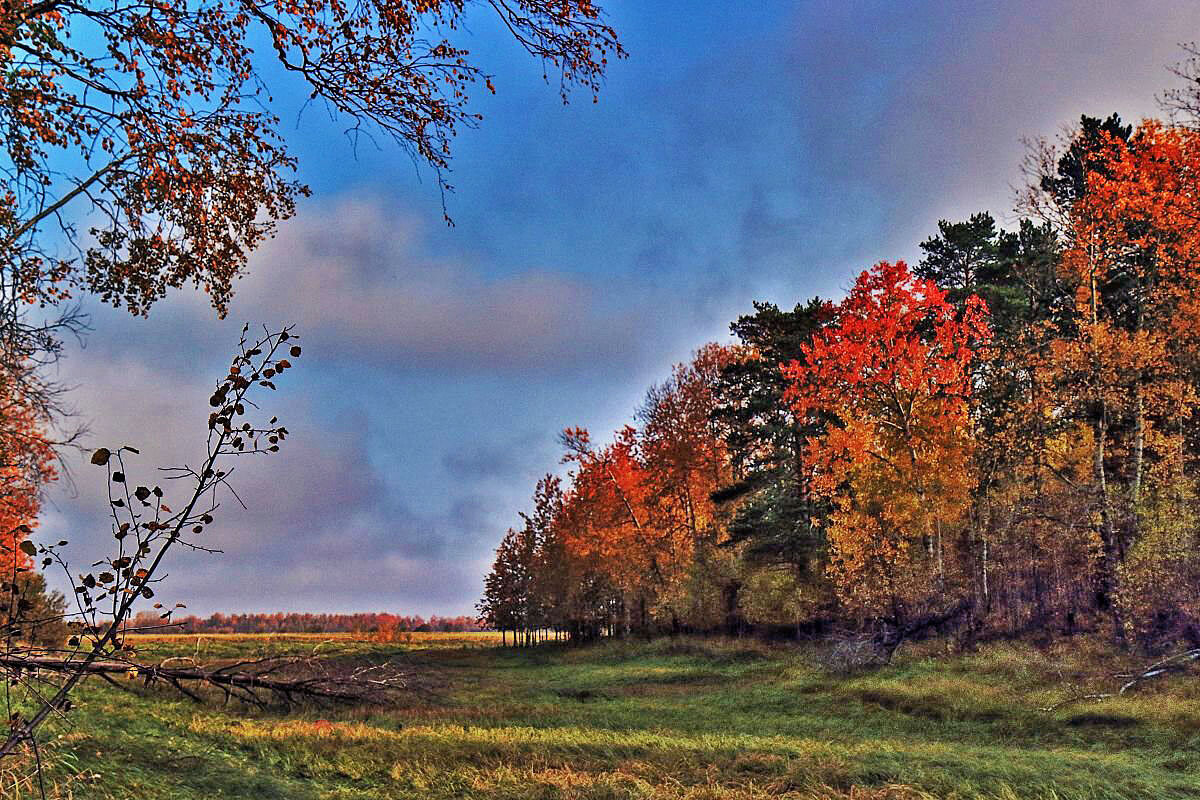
685,460
608,497
893,375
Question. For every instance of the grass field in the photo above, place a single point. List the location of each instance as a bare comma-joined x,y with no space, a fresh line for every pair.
666,719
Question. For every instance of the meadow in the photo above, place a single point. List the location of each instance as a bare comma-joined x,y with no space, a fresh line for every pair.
678,718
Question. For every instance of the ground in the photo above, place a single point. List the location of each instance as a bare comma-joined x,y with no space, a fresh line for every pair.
664,719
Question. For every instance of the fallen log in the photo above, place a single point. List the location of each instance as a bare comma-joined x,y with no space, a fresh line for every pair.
284,680
1180,662
1176,663
914,628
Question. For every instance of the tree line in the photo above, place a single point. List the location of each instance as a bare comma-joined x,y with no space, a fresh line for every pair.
998,440
293,622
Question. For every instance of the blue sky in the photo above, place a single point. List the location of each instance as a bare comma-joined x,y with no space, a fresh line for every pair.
744,151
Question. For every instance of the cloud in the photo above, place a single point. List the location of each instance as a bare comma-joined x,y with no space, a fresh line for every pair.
327,524
323,527
354,277
478,461
929,119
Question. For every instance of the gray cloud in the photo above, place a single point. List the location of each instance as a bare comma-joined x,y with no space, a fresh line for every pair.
928,117
355,278
323,527
514,455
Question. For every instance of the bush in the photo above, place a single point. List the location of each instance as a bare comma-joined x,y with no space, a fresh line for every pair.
857,653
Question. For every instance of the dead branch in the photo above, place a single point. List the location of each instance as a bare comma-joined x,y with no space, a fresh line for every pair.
1180,662
286,681
1079,698
1176,663
870,649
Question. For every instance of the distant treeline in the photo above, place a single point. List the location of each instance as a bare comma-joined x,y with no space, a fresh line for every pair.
281,622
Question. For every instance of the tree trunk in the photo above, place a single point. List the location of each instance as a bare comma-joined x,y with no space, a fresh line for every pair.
1139,446
1107,588
1107,583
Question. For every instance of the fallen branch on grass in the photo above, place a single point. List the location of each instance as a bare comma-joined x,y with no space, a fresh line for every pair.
286,681
1176,663
1180,662
1079,698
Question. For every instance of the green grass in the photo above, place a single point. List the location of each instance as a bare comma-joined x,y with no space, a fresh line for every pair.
667,719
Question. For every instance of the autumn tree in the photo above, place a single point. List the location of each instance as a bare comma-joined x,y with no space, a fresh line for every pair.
28,612
506,588
27,463
893,371
1135,256
552,586
685,461
1024,501
594,602
610,481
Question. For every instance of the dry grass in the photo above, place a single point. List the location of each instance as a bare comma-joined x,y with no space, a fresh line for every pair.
666,720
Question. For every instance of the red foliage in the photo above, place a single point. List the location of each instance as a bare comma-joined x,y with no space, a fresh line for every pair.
26,465
892,374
